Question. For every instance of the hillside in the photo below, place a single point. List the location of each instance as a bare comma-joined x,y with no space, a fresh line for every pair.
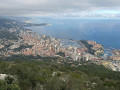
46,75
9,29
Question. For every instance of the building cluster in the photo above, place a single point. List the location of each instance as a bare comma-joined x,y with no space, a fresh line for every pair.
30,43
115,55
45,46
42,45
50,46
98,48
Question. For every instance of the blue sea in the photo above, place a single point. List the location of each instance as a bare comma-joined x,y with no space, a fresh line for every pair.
103,31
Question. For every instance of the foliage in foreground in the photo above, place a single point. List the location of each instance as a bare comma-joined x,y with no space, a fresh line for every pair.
34,75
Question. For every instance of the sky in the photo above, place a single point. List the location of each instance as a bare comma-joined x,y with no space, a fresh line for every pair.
61,8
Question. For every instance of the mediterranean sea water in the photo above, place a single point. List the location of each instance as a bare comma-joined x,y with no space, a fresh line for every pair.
103,31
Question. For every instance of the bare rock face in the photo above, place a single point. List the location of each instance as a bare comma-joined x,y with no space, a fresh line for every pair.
3,76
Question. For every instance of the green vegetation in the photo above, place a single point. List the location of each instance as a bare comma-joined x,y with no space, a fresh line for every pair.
61,54
23,47
27,58
8,35
47,75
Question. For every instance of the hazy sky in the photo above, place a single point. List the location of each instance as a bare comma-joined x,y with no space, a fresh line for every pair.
60,7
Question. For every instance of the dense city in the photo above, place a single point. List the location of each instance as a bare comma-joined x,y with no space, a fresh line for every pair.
30,43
